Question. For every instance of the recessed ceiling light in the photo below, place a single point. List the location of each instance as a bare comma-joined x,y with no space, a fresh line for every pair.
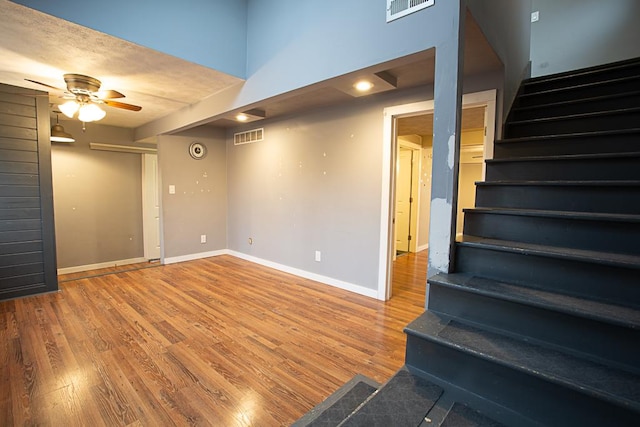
363,85
242,117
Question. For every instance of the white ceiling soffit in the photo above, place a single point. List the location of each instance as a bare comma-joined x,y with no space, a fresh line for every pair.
40,47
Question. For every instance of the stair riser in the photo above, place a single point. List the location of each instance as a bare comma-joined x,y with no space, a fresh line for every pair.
604,343
588,106
624,143
631,70
540,400
596,281
608,169
580,198
606,236
595,123
585,92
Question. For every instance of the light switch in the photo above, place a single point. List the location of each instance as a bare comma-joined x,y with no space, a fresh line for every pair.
172,189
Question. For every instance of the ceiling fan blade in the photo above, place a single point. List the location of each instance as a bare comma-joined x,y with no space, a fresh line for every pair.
122,105
109,94
44,84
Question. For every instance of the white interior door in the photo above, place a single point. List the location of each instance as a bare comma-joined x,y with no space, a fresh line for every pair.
403,199
151,206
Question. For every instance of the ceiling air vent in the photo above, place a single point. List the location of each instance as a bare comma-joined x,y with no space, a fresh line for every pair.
399,8
249,136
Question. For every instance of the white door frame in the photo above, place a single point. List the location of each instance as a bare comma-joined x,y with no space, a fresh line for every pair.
389,149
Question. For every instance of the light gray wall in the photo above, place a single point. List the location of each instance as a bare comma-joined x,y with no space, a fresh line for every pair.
199,205
574,34
292,44
97,198
280,196
312,185
507,26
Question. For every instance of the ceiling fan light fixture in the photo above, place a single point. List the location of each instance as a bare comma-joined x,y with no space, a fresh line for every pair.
69,108
90,113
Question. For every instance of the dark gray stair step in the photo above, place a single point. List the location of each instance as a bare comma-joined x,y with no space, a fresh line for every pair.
463,416
579,106
403,401
337,407
624,118
626,68
578,91
547,317
617,197
580,230
543,384
602,276
611,141
608,166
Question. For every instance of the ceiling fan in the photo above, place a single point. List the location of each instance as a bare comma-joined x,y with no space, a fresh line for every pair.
84,95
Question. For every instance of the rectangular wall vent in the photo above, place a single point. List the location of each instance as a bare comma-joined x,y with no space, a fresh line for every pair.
399,8
249,136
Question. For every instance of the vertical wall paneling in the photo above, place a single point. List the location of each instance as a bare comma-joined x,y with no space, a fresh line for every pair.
27,239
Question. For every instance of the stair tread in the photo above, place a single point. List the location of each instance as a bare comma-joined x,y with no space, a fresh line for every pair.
610,112
575,101
340,404
570,135
606,383
404,400
595,156
607,258
558,214
567,75
462,415
580,86
577,306
603,183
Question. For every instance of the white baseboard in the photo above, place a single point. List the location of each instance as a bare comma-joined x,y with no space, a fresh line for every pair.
372,293
422,248
79,268
191,257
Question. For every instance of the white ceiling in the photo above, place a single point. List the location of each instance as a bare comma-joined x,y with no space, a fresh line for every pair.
40,47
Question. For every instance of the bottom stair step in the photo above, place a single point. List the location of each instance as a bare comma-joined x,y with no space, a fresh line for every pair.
540,383
404,400
463,416
337,407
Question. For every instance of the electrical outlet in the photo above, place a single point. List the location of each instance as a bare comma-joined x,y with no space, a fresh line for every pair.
318,256
535,16
203,238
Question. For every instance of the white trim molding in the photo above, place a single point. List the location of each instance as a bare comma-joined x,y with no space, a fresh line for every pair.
191,257
118,263
361,290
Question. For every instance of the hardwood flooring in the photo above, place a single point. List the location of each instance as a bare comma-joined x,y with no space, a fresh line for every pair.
217,341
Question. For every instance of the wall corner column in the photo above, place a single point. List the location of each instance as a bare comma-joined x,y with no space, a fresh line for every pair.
446,147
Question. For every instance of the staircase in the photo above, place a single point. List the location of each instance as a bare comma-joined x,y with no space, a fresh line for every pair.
539,324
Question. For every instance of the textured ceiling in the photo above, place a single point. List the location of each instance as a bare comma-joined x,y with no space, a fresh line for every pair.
472,119
40,47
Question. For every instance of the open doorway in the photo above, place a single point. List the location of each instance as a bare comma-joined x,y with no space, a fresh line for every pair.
414,123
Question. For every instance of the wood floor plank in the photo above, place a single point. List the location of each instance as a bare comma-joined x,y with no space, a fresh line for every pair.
217,341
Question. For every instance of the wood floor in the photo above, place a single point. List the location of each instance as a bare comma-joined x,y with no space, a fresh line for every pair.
217,341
